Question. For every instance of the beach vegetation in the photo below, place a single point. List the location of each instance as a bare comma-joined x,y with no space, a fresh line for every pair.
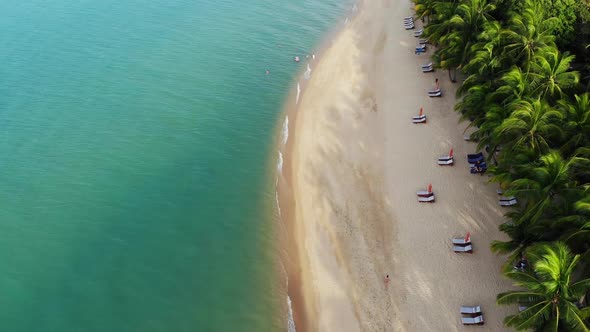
549,300
524,68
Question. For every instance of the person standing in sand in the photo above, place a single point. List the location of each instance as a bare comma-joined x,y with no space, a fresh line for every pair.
386,280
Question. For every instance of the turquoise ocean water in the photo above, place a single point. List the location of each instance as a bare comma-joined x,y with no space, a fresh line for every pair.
135,144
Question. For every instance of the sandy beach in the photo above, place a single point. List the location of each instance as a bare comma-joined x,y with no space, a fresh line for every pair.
356,162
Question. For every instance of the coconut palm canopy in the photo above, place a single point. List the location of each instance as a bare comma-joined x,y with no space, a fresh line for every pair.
531,112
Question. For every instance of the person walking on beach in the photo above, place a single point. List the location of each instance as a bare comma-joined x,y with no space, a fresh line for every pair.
386,280
436,83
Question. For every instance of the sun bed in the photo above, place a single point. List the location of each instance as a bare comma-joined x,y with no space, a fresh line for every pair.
423,41
467,137
409,18
507,198
424,193
463,240
508,203
479,163
521,307
409,26
467,310
427,69
418,33
419,119
468,248
429,199
474,158
499,191
435,93
471,156
448,161
477,320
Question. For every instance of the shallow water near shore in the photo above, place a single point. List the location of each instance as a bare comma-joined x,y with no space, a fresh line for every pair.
135,138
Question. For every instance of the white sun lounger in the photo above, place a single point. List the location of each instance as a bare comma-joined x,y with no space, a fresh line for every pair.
419,119
424,193
427,69
429,199
409,27
509,198
468,248
470,310
423,41
509,203
409,18
461,241
435,93
499,191
478,320
445,160
418,33
428,65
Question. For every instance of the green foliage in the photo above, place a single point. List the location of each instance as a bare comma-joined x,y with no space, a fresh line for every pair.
550,297
565,12
522,95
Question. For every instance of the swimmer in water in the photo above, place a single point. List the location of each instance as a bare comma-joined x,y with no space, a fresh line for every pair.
267,72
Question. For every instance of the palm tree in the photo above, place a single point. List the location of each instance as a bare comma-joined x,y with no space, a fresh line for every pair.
550,297
548,186
459,26
424,8
528,34
550,74
577,125
522,235
532,124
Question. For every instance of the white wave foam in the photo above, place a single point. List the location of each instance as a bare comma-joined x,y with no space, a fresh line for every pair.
285,132
307,74
280,163
278,206
290,320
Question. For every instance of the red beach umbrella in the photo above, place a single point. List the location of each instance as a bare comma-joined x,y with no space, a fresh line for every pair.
467,237
429,187
421,111
451,153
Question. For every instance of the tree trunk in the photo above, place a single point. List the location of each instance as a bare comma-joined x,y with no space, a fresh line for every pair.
453,74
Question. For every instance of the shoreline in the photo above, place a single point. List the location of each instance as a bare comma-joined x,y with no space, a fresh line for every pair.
301,305
351,166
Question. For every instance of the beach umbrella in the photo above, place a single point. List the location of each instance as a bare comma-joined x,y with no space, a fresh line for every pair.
421,111
468,237
430,187
451,153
